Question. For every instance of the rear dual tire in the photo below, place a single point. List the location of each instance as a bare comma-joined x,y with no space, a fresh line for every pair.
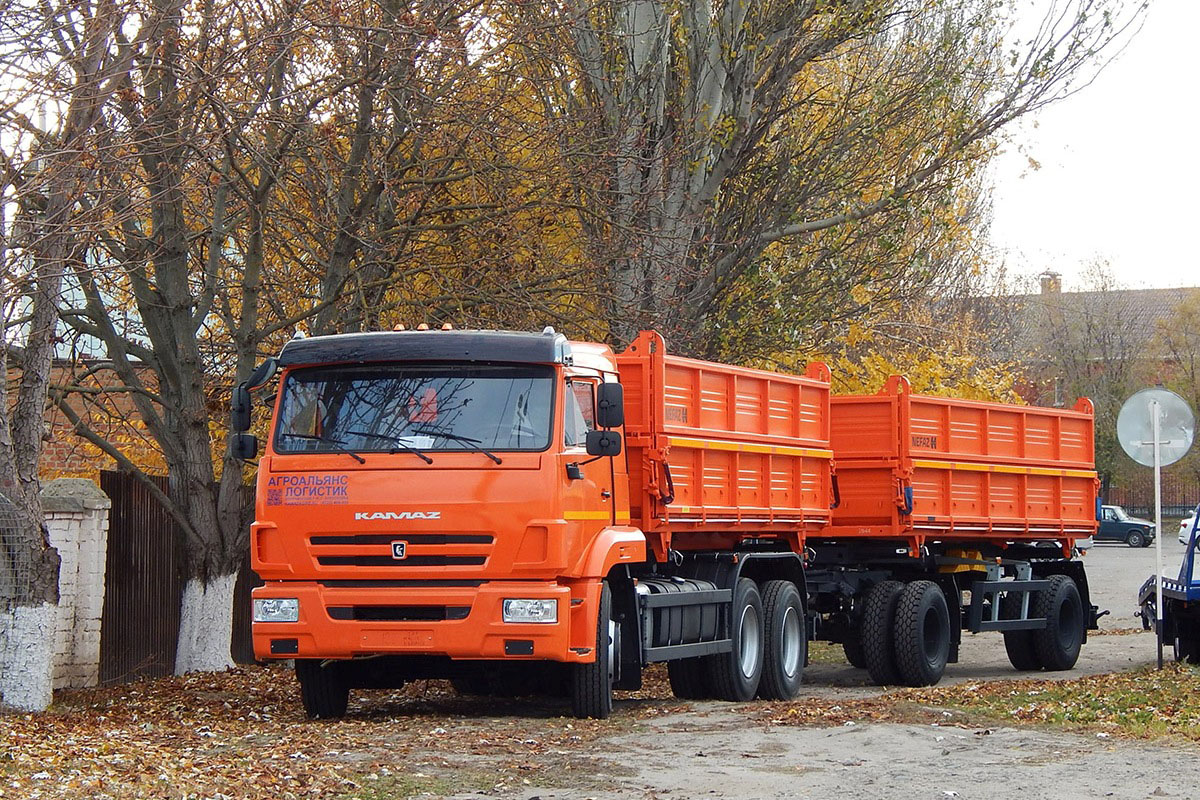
905,633
735,675
786,643
922,634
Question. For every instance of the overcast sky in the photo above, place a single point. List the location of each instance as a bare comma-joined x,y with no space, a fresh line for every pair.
1119,175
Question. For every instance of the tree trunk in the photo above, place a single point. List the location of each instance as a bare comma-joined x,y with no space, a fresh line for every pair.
27,656
206,625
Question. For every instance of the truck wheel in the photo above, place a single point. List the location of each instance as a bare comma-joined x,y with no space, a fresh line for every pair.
688,679
1019,644
1058,643
323,688
1187,649
592,684
879,653
786,641
1135,538
735,675
853,648
922,634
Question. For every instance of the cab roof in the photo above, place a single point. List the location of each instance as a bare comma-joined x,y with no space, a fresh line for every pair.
435,345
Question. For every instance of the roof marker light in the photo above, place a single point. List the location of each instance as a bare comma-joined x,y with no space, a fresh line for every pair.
422,327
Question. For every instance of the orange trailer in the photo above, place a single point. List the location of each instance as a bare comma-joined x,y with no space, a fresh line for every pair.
521,513
915,468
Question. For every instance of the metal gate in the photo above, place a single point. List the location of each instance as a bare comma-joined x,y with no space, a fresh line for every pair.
143,583
144,580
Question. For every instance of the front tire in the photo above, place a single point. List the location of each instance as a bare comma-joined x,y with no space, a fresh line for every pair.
323,688
1135,538
786,641
592,684
922,634
735,675
1059,642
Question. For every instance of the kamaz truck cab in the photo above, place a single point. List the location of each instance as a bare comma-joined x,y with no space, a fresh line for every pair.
438,504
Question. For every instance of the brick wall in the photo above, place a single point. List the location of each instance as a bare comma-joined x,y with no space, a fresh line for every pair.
77,520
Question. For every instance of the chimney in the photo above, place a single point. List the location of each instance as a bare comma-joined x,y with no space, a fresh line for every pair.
1051,282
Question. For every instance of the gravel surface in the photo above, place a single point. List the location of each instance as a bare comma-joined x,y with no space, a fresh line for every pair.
712,750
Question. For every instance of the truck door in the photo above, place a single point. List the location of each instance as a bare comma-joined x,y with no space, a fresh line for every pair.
588,497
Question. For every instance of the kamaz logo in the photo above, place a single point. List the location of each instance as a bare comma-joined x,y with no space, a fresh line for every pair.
398,515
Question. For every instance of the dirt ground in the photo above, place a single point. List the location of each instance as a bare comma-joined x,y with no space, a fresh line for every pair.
714,750
242,734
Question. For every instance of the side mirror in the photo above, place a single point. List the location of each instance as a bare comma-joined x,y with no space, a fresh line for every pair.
245,446
603,443
240,408
610,406
262,373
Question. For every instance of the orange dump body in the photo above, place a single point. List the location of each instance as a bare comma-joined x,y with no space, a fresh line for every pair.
744,453
931,468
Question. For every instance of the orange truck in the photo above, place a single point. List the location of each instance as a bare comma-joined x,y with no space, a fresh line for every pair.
522,513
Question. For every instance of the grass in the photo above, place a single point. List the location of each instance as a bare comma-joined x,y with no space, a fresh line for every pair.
1143,704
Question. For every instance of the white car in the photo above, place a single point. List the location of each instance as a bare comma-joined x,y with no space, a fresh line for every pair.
1185,528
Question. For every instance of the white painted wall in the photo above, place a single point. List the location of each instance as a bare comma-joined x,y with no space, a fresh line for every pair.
77,521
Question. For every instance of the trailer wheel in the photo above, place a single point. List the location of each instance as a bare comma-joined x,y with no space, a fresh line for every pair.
735,675
1135,538
786,642
1019,644
592,684
922,634
853,648
323,688
1058,643
879,652
688,679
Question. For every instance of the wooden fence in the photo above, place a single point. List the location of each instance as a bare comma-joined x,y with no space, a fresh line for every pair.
144,571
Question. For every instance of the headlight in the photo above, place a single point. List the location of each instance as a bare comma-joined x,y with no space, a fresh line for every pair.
529,610
276,609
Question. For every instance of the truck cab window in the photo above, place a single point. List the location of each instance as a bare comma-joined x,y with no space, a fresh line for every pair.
580,417
427,407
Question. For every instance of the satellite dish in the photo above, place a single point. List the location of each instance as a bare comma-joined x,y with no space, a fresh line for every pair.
1135,426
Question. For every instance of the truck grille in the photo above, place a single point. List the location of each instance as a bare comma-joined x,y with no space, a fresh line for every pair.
419,549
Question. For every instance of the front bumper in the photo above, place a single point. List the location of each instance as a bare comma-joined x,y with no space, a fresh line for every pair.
461,622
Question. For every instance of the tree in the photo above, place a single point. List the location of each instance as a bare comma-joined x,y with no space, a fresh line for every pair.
1177,340
701,134
1092,344
264,168
65,56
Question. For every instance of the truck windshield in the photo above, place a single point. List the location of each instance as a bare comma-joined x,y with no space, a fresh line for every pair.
415,408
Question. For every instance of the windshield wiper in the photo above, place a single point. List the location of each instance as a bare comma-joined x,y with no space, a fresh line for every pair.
334,444
397,445
474,444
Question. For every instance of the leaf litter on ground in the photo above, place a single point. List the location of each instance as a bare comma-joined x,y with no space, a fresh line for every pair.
242,733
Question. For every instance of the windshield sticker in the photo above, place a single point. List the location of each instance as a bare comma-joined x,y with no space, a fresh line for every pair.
308,490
